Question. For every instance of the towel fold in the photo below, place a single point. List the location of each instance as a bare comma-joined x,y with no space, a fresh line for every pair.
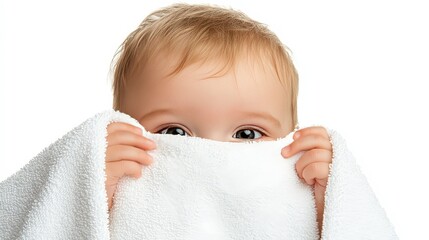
195,189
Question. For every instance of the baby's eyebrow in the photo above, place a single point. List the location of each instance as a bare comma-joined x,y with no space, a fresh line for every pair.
263,115
156,112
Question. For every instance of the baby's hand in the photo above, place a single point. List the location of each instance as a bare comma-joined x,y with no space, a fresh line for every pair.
313,166
125,154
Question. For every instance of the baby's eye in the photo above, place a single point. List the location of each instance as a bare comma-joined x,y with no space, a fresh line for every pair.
173,131
248,134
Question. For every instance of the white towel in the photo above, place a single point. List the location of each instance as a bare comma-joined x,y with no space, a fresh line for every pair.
203,189
195,189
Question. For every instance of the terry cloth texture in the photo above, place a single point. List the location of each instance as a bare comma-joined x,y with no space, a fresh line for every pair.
195,189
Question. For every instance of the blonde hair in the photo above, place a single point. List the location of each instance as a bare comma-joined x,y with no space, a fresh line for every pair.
199,33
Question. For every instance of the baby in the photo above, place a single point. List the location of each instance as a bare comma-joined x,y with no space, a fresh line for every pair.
210,72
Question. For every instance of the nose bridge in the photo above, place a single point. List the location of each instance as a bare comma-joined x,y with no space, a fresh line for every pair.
213,125
214,110
215,134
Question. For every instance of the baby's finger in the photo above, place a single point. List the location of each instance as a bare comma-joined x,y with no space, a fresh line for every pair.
122,152
315,171
123,168
116,170
317,130
129,138
120,126
314,155
322,182
305,143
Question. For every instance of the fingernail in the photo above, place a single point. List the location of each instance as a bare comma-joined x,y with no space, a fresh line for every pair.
296,135
286,150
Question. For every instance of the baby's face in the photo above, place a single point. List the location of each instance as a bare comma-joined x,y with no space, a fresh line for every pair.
246,104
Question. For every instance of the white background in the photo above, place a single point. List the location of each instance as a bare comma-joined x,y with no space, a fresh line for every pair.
363,71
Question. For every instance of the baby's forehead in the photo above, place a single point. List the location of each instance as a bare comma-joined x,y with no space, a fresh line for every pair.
170,63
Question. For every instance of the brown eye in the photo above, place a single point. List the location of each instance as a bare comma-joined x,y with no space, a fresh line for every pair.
247,134
173,131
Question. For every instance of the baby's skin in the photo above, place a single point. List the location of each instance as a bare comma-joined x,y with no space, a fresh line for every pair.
248,102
